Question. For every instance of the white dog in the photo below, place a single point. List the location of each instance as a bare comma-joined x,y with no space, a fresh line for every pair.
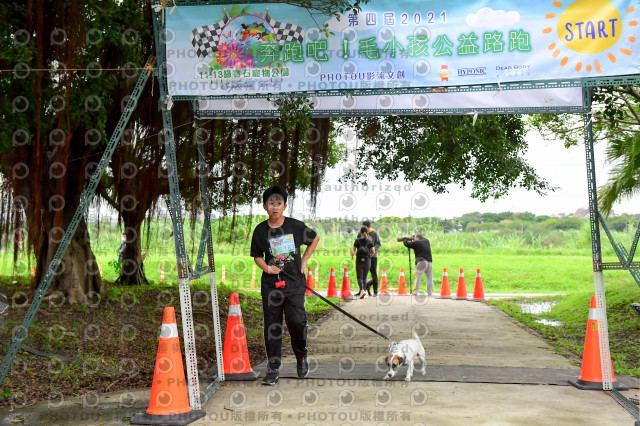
405,352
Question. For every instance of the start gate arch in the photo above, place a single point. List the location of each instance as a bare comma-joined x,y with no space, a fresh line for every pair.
232,60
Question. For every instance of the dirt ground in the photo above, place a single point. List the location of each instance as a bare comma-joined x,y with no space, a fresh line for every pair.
110,344
461,335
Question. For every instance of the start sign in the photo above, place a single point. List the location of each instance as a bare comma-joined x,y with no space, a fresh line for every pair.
265,48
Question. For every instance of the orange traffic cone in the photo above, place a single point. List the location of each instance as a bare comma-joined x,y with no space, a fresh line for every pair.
332,290
384,284
235,356
445,290
461,293
169,403
402,284
478,290
591,372
309,282
345,293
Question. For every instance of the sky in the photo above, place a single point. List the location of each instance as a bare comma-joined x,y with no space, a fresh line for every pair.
563,168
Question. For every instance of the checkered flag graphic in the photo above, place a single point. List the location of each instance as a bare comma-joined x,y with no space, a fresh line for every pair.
283,31
205,39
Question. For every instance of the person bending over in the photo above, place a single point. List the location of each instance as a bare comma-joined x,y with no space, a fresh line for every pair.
424,263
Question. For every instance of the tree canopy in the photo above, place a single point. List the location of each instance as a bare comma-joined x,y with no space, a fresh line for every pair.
442,150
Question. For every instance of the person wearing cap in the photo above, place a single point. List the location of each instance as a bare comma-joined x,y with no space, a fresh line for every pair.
275,248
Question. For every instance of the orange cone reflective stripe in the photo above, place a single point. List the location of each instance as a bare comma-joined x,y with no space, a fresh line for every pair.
332,290
591,371
461,292
402,284
345,293
478,289
445,289
384,283
236,351
169,401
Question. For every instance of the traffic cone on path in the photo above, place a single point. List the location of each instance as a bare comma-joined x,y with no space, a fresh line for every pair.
461,292
445,290
591,371
478,290
345,293
236,352
384,283
402,284
309,282
332,290
169,402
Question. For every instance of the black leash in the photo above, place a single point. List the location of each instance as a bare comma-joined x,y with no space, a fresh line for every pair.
328,302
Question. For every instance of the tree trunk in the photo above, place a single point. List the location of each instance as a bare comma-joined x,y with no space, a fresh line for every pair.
132,271
78,276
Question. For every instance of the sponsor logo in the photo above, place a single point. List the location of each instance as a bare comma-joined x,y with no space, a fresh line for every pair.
444,72
469,72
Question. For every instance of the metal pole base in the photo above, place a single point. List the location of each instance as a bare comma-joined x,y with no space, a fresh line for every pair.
583,385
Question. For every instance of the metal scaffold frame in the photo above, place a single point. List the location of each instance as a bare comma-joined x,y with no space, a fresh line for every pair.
187,272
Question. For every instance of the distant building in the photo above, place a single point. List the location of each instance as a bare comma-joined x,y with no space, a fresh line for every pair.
581,213
584,214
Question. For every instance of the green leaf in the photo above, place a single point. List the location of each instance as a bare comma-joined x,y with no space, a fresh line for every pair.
245,11
235,11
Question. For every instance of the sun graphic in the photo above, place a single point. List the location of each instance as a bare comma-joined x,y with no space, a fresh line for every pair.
590,27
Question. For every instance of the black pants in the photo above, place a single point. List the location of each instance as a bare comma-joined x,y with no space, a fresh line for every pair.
374,274
362,270
274,304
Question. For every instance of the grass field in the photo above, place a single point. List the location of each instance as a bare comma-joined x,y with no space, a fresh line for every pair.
557,262
572,311
509,262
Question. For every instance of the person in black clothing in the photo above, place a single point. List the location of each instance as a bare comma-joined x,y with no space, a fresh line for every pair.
363,250
424,263
375,238
275,247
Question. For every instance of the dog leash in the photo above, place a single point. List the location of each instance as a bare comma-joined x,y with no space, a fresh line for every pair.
330,303
327,301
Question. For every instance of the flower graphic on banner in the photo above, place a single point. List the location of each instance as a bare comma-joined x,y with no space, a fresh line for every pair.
591,29
234,55
243,40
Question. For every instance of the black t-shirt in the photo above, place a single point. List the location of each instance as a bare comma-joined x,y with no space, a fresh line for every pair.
422,249
281,247
363,248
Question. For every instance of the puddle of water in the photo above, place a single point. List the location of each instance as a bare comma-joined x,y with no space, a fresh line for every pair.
552,323
537,307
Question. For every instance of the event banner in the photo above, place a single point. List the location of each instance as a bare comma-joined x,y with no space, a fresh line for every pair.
262,48
569,98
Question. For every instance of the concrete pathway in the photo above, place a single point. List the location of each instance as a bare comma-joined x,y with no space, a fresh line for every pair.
457,335
454,333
